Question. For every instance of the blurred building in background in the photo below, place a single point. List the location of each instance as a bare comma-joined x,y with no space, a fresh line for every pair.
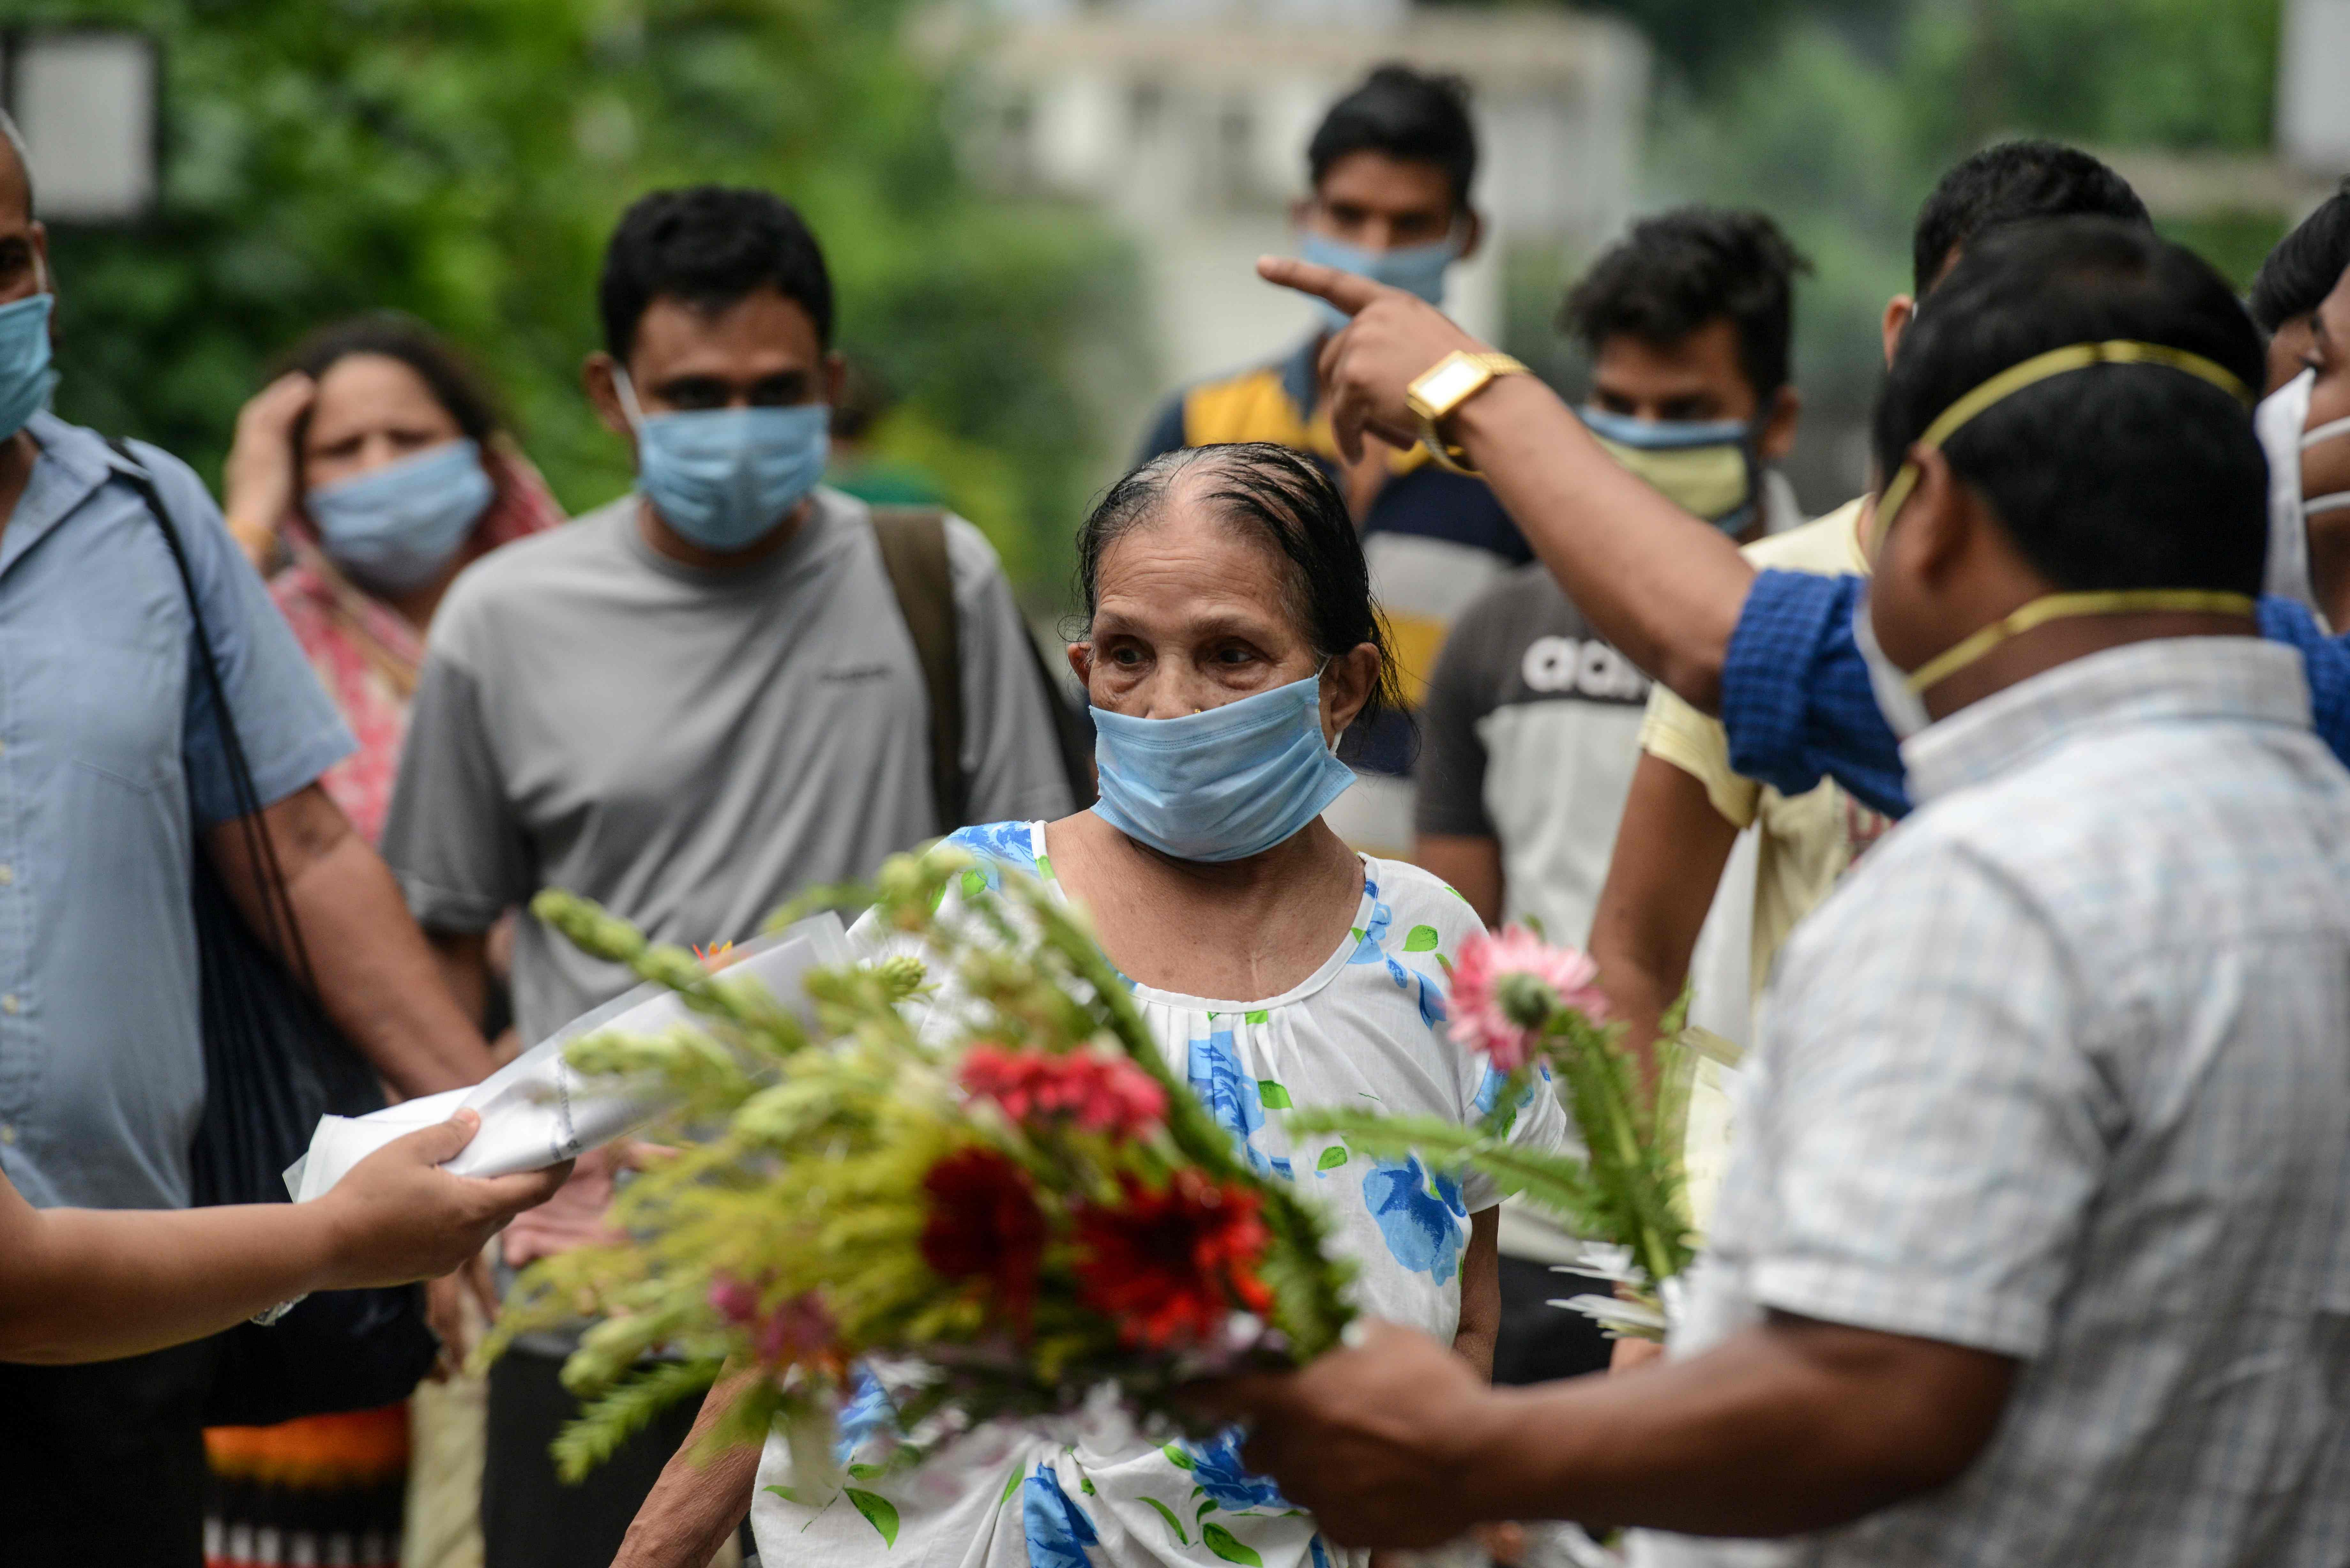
1187,121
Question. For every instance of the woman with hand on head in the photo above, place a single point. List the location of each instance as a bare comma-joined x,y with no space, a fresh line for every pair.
370,472
1230,639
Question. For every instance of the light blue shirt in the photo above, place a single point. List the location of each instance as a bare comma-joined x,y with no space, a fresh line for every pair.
108,745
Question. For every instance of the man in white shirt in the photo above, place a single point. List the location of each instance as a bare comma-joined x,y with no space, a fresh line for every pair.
2033,1250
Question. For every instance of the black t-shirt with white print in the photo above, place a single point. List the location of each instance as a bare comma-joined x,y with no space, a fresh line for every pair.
1531,729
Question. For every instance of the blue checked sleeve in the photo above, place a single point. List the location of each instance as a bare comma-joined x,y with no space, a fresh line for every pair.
1794,694
2325,659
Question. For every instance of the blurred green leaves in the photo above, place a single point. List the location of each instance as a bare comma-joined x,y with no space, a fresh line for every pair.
1839,122
464,160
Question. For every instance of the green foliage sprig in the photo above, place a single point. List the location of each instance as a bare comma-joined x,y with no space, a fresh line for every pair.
784,1230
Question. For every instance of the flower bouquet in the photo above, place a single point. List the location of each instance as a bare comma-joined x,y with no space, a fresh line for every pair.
1015,1212
1536,1012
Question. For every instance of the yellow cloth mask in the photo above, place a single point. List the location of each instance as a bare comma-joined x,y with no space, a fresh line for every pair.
1706,467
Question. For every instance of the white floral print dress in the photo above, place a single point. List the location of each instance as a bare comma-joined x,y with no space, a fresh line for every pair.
1367,1027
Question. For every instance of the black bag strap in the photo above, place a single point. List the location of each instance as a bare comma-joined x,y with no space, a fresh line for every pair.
914,552
280,929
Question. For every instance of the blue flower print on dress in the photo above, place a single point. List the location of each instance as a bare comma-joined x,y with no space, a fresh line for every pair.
1370,947
1321,1557
1058,1531
1232,1096
1216,1467
1489,1092
1422,1227
1367,945
868,1411
997,844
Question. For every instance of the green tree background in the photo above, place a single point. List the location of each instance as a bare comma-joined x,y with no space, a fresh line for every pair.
1837,116
464,160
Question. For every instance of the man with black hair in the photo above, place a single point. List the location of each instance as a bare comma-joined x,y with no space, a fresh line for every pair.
691,705
2032,1252
1532,719
1391,167
1531,722
2301,299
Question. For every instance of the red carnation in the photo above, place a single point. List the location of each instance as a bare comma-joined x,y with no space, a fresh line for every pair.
1099,1094
1168,1266
984,1225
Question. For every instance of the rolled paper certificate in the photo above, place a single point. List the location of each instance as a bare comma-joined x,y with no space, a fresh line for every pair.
538,1110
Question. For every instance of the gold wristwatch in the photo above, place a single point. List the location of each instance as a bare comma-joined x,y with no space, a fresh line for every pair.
1444,387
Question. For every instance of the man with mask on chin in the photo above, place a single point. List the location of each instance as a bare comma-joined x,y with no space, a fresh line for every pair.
115,775
2032,1249
1390,169
690,705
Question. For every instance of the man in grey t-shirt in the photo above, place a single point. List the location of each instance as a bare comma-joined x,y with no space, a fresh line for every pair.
690,705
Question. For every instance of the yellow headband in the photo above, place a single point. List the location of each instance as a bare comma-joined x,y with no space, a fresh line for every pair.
2039,368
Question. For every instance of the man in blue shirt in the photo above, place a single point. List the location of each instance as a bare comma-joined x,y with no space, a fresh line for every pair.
113,776
1772,653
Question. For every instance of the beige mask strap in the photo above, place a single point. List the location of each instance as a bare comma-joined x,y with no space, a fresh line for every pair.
2069,607
2039,368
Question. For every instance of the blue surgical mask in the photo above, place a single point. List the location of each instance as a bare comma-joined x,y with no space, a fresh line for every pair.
1415,269
1222,785
1704,466
394,528
726,478
26,376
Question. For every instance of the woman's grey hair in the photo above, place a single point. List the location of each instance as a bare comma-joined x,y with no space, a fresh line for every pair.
1278,498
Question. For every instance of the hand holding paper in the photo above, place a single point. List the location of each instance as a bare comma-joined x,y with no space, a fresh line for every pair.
538,1110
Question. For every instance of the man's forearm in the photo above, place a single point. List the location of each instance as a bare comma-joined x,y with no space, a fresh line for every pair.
85,1285
1661,586
694,1506
378,979
1751,1438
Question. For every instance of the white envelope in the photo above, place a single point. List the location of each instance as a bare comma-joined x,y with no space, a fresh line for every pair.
538,1110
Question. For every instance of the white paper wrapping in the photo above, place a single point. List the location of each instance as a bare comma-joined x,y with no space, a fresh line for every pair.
537,1110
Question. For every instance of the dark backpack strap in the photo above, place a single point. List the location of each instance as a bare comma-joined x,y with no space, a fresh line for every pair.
914,552
279,927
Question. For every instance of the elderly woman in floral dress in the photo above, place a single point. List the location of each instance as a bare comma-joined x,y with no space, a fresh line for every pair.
1232,639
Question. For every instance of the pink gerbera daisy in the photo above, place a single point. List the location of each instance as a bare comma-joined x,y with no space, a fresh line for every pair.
1506,986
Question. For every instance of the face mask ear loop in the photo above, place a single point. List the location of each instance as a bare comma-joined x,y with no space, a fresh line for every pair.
1319,672
2325,432
629,409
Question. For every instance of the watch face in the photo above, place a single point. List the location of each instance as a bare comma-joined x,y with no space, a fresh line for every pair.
1450,383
